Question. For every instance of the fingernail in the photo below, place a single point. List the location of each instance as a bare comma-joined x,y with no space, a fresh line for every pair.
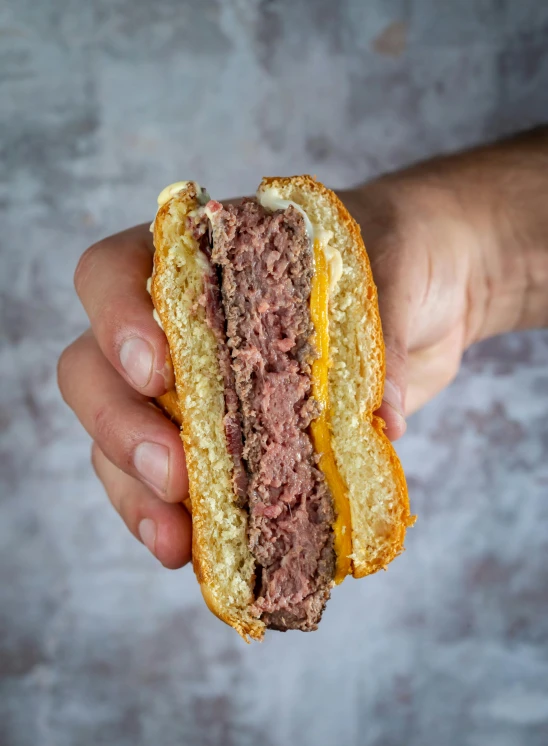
392,396
152,462
137,357
147,532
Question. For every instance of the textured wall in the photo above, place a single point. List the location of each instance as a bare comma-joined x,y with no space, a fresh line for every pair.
103,103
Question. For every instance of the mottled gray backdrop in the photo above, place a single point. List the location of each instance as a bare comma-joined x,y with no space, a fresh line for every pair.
102,103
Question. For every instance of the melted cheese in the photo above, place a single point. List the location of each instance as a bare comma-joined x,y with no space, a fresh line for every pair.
320,427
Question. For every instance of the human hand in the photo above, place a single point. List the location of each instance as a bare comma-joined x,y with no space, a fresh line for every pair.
422,265
108,377
459,253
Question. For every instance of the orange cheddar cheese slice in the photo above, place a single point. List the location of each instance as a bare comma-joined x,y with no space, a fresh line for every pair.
320,428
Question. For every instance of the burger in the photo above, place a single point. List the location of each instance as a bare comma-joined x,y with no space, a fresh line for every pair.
271,316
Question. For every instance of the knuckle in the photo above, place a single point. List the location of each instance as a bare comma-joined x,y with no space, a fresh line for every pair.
103,426
107,434
85,264
64,367
125,507
396,352
110,320
95,456
69,363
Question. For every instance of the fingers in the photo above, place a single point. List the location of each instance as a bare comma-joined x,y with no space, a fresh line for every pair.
402,274
431,369
394,419
133,434
110,280
378,217
395,308
164,529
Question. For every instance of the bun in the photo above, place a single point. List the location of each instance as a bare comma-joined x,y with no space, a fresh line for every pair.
365,458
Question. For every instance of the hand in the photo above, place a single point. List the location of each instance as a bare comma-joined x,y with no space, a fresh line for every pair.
422,265
108,375
458,251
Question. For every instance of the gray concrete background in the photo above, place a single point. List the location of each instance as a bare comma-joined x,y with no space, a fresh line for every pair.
103,103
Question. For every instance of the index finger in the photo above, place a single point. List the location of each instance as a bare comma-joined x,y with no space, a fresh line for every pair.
111,279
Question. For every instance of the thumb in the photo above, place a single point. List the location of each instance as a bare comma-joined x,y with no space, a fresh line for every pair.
388,266
393,401
392,265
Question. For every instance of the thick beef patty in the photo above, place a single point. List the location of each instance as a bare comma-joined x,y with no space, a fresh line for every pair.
266,267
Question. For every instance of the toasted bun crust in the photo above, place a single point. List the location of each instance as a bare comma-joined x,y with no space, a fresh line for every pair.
170,405
365,458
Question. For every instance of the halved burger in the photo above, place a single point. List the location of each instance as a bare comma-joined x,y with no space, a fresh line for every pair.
271,315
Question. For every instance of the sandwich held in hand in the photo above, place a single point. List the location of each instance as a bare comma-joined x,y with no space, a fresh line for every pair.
271,315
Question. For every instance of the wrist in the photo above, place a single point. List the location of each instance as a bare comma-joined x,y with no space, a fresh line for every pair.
491,205
470,209
506,189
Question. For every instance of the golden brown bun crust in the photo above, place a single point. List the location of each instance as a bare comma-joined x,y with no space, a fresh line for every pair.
333,215
169,403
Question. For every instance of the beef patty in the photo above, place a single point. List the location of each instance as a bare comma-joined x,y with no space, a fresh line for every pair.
264,266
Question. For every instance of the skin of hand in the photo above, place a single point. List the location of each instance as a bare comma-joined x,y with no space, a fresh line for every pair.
458,252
